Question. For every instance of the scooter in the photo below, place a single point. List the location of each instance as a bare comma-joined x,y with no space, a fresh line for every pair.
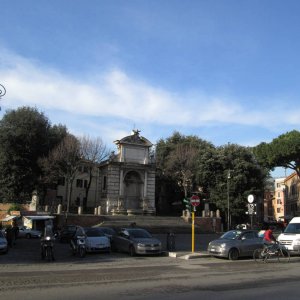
78,246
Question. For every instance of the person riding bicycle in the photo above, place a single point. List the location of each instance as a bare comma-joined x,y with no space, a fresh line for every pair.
269,239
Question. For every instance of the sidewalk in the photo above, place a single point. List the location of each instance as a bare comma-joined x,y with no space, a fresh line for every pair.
188,255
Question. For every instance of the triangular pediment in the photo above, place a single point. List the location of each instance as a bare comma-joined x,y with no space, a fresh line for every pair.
134,139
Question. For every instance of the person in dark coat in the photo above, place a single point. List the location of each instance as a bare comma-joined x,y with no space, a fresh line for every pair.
10,236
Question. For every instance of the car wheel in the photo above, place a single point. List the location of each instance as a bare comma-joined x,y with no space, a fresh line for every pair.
131,250
28,235
233,254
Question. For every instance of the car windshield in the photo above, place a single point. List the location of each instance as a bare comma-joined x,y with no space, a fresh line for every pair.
93,232
138,233
1,234
292,228
107,231
231,235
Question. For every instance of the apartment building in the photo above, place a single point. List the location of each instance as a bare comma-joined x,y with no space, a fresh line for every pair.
292,200
278,201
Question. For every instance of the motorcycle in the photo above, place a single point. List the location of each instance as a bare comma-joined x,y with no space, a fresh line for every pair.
78,245
47,245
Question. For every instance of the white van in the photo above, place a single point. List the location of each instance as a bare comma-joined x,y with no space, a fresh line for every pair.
290,238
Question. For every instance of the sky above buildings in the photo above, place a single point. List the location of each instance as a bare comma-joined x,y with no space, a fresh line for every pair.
226,71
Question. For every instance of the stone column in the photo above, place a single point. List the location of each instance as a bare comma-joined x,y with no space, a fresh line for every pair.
121,191
145,184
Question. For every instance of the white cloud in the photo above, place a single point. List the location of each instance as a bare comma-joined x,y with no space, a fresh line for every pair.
117,95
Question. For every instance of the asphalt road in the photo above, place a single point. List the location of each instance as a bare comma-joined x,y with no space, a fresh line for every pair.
118,276
28,250
150,278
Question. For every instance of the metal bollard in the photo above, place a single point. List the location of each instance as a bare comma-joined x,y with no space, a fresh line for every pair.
171,241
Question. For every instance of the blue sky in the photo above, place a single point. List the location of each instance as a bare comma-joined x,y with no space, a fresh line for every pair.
224,70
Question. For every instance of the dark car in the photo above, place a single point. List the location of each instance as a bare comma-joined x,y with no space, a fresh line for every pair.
3,242
235,243
108,231
136,241
66,233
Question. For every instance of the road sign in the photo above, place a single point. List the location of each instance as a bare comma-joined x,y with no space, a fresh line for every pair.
195,200
250,199
251,209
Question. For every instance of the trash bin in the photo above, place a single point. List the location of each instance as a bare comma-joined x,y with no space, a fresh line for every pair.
171,241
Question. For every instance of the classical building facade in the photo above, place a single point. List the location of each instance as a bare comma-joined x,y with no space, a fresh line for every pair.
123,184
127,178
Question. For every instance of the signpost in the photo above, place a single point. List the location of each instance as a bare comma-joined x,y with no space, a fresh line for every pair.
251,208
195,201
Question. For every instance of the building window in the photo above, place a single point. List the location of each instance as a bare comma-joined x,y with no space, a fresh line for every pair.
85,184
104,183
278,201
278,210
278,194
79,183
293,189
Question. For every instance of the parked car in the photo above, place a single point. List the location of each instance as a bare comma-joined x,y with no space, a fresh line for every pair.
108,231
3,243
235,243
25,232
96,240
66,233
136,241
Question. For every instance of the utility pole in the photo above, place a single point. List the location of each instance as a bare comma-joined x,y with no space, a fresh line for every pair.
228,202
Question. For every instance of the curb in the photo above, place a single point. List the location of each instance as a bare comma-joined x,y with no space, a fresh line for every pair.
188,255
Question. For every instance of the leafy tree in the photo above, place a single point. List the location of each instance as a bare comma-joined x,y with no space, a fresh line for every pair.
283,151
205,168
180,159
237,175
25,135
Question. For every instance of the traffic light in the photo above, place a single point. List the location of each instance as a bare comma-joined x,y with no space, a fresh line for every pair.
187,204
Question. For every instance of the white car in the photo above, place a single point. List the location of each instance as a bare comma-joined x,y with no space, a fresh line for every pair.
96,241
29,233
290,238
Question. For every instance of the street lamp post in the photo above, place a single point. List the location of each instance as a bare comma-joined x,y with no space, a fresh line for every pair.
228,202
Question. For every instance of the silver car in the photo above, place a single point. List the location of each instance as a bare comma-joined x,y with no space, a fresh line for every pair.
29,233
235,243
136,241
96,241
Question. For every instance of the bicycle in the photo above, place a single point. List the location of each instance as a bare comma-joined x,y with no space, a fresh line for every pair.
276,251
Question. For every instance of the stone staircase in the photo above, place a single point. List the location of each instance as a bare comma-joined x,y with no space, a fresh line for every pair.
155,224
